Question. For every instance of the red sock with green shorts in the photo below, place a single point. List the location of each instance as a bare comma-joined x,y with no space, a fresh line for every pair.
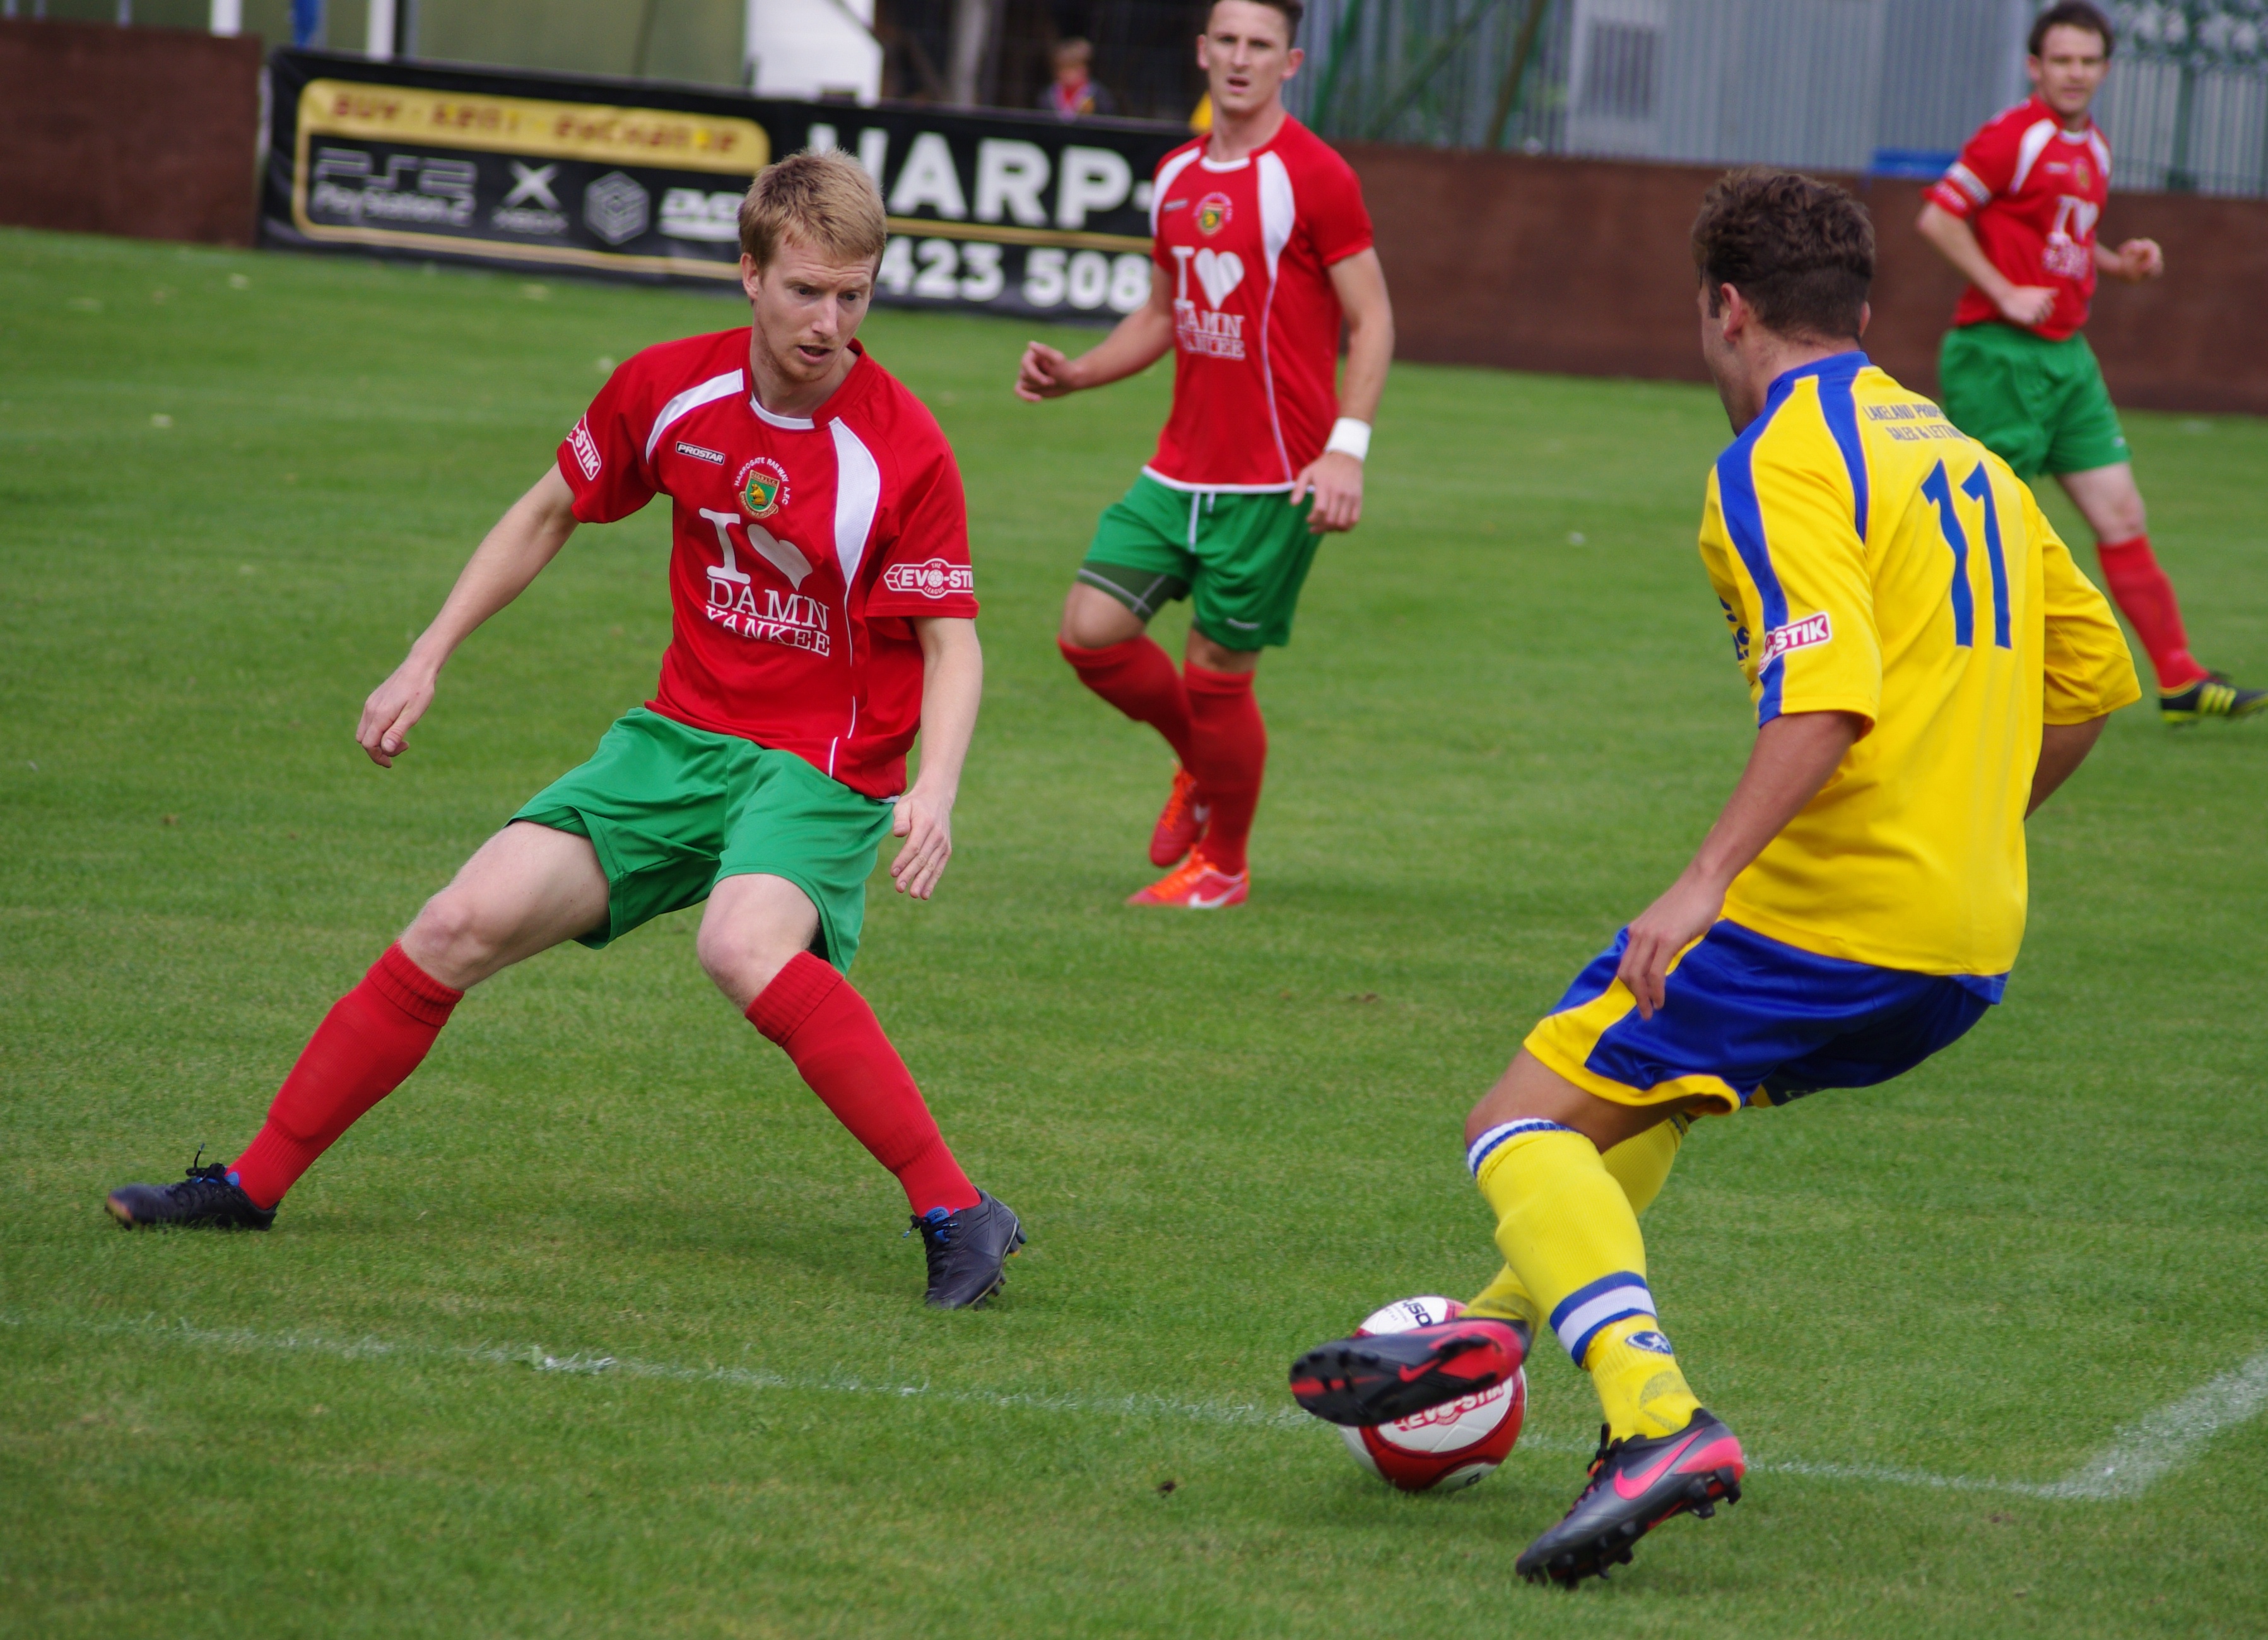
837,1044
2145,598
1228,753
1138,678
366,1046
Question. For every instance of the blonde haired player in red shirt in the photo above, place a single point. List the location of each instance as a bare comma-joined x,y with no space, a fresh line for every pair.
2017,214
824,612
1261,248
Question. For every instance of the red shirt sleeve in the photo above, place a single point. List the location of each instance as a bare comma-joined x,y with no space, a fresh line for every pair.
1986,167
1331,207
924,556
603,455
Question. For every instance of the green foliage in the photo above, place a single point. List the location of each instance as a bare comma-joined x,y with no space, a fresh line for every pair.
1231,1136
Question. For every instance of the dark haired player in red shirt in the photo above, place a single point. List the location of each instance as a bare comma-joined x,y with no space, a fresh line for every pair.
1261,247
2017,214
823,611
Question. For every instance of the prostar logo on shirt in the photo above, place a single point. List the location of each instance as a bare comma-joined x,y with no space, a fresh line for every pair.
1807,634
1213,211
762,484
932,578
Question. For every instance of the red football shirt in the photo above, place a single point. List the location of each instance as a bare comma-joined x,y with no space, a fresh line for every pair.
2033,192
1248,248
800,547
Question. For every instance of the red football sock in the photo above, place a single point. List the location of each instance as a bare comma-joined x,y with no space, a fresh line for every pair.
838,1046
1228,752
368,1043
1138,678
2145,598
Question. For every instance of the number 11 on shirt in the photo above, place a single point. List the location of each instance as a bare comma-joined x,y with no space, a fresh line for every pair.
1978,484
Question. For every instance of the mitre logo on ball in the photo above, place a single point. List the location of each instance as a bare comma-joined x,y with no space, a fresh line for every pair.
1444,1447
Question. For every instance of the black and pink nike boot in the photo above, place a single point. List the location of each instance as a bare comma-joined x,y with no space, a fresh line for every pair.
1637,1483
1375,1378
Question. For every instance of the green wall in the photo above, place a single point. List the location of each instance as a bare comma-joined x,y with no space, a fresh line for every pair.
685,40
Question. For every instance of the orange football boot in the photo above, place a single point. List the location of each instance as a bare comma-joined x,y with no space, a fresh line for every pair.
1195,885
1181,824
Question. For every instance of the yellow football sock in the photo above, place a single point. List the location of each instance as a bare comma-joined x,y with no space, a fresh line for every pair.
1638,1165
1569,1233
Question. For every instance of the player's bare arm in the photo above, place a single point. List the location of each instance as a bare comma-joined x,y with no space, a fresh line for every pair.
1335,478
524,539
1793,756
2026,305
2063,748
2135,261
952,682
1136,343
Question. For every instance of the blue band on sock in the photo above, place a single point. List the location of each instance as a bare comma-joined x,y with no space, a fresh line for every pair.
1477,1152
1577,1318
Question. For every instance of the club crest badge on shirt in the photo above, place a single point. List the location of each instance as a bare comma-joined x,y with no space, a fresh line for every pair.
1214,212
763,487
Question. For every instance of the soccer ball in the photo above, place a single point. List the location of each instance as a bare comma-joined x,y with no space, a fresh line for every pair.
1444,1447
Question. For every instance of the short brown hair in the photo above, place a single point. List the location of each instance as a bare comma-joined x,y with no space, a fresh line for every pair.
1802,252
1293,11
823,200
2070,14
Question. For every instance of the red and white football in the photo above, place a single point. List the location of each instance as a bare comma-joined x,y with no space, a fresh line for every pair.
1447,1446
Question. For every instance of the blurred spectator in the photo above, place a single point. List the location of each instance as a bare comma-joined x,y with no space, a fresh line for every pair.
1074,94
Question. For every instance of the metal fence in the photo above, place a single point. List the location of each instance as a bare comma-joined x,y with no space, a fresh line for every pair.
1894,86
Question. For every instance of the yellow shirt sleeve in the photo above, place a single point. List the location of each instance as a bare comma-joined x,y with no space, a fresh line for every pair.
1791,556
2089,670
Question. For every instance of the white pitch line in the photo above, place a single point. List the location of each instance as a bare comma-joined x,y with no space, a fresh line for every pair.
2143,1452
2138,1457
535,1357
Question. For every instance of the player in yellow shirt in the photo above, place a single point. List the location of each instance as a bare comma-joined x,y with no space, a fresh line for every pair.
1927,665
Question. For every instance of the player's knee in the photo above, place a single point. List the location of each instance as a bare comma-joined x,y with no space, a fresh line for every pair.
452,937
740,962
1096,620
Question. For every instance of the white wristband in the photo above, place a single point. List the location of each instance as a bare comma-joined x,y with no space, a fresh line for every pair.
1349,437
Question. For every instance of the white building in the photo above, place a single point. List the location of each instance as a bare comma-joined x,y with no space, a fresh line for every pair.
814,48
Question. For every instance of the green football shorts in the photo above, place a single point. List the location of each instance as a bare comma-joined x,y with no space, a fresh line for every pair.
673,811
1240,558
2038,405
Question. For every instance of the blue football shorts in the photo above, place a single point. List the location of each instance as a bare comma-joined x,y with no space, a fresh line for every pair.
1747,1020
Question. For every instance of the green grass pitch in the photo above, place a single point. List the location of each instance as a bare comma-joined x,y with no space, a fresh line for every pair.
232,486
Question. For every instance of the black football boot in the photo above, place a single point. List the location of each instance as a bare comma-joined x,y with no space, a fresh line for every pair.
203,1200
2211,697
1364,1381
967,1251
1636,1484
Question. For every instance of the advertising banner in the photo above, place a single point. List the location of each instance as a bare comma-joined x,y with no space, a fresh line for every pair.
1004,212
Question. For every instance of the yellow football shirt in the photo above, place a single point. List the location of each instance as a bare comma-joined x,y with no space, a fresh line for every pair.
1873,558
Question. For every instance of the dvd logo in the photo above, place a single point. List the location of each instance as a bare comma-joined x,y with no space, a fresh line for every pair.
690,213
